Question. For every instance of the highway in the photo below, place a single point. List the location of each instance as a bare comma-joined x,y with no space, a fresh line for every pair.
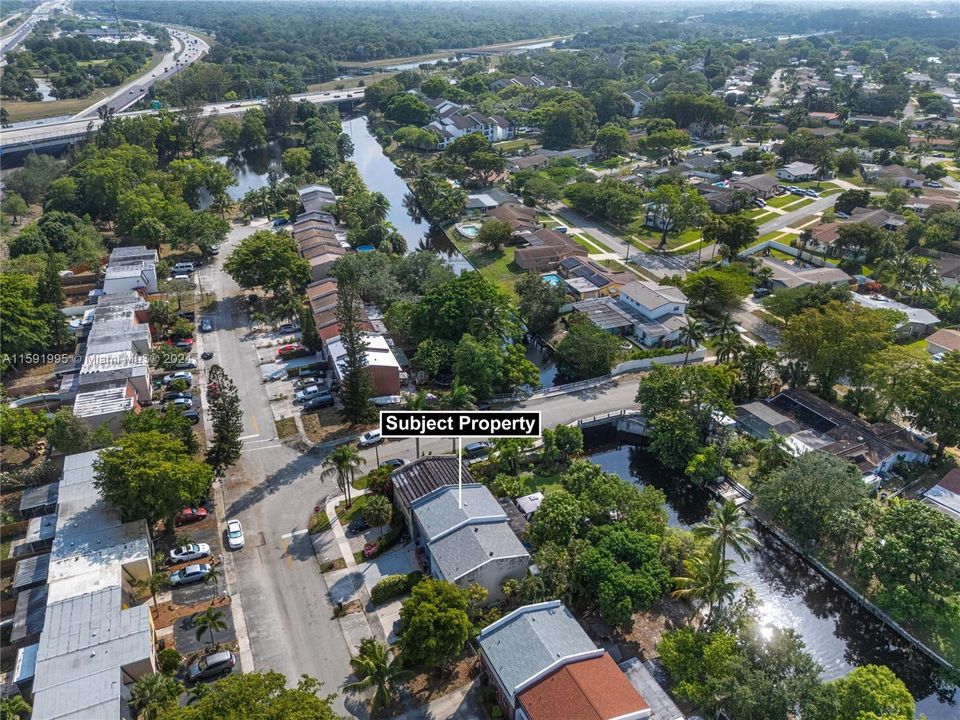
41,12
187,49
50,133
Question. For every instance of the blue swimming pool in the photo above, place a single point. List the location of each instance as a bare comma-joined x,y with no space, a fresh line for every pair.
469,231
553,279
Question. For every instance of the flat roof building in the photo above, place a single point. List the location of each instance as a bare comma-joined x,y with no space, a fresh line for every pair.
382,364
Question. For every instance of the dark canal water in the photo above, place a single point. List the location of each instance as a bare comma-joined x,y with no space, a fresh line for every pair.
836,631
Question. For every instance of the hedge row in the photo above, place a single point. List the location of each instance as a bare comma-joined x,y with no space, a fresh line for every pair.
393,586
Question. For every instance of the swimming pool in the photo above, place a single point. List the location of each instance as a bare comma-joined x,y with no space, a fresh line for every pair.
469,231
552,278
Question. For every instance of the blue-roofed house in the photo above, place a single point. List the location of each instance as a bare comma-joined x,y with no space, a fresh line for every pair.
470,541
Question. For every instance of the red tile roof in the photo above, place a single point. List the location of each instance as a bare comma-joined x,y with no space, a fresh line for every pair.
951,481
593,689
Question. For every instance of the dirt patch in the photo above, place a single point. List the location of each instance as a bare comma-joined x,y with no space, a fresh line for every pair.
337,564
427,686
168,613
347,608
286,428
649,626
327,425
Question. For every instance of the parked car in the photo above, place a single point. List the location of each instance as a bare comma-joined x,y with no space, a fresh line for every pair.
190,574
323,400
275,375
289,328
190,515
811,193
206,326
193,551
234,535
280,221
357,526
843,216
933,184
798,191
761,292
214,249
312,373
173,395
181,375
394,463
212,665
476,449
307,393
369,439
288,352
183,268
305,382
192,415
759,203
185,364
184,403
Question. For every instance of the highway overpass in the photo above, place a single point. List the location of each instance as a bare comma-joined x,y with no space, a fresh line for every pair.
51,138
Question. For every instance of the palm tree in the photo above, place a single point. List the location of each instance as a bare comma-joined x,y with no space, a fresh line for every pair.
213,578
774,452
376,669
725,327
154,694
823,166
377,208
378,512
342,464
691,336
764,275
221,202
707,582
416,402
724,528
209,620
728,347
460,397
154,583
13,707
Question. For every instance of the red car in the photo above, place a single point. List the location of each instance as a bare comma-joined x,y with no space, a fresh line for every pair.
288,351
191,515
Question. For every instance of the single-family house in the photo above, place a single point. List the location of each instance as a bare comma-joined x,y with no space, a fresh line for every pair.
810,423
639,98
943,341
483,201
545,667
791,276
947,264
527,81
878,218
797,172
654,315
316,198
917,323
759,186
543,249
535,162
107,406
830,119
905,177
581,155
465,538
586,279
520,217
945,495
493,127
422,476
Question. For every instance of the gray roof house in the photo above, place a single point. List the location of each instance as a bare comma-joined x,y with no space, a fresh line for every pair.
466,538
422,476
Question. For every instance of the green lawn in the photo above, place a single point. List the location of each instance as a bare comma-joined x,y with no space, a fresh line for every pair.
516,144
539,482
802,202
780,255
596,242
497,266
780,200
589,242
776,235
547,221
356,507
653,238
319,522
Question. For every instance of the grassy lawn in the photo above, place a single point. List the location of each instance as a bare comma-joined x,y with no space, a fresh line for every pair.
497,266
761,215
515,144
802,202
653,238
812,184
596,242
780,255
356,507
349,83
855,179
780,200
20,110
775,235
319,522
539,482
589,242
547,221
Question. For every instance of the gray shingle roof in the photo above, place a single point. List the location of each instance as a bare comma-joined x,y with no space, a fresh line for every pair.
440,511
531,639
472,546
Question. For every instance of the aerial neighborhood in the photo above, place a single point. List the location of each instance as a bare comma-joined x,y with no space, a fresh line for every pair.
713,251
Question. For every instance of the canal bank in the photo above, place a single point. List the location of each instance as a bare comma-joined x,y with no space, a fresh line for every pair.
838,633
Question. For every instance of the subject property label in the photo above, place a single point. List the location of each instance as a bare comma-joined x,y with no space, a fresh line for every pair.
450,423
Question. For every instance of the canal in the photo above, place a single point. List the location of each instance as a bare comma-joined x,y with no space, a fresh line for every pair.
836,631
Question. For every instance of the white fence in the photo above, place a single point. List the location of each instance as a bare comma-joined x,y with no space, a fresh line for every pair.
788,249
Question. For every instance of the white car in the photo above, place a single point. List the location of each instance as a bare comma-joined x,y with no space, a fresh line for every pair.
193,551
234,534
301,396
369,439
182,375
190,574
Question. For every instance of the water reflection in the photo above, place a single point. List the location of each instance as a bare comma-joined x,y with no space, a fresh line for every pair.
837,632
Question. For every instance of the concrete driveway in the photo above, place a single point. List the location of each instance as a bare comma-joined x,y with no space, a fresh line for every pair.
399,561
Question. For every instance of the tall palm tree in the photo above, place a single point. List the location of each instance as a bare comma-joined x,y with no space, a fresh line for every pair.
378,512
209,620
154,583
774,452
342,464
213,578
726,326
154,694
416,402
377,208
725,528
221,202
460,397
692,335
13,707
707,582
728,347
376,669
823,166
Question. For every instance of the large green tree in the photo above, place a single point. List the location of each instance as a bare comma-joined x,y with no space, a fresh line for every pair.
271,261
434,626
869,692
150,475
540,302
933,399
804,495
586,351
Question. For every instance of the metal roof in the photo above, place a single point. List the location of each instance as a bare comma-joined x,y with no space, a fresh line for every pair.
41,528
39,496
28,617
416,479
31,571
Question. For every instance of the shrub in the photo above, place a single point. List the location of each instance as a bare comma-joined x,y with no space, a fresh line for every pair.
393,586
168,660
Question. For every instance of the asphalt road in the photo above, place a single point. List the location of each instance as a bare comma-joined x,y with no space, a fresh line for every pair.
786,220
187,49
272,491
13,39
